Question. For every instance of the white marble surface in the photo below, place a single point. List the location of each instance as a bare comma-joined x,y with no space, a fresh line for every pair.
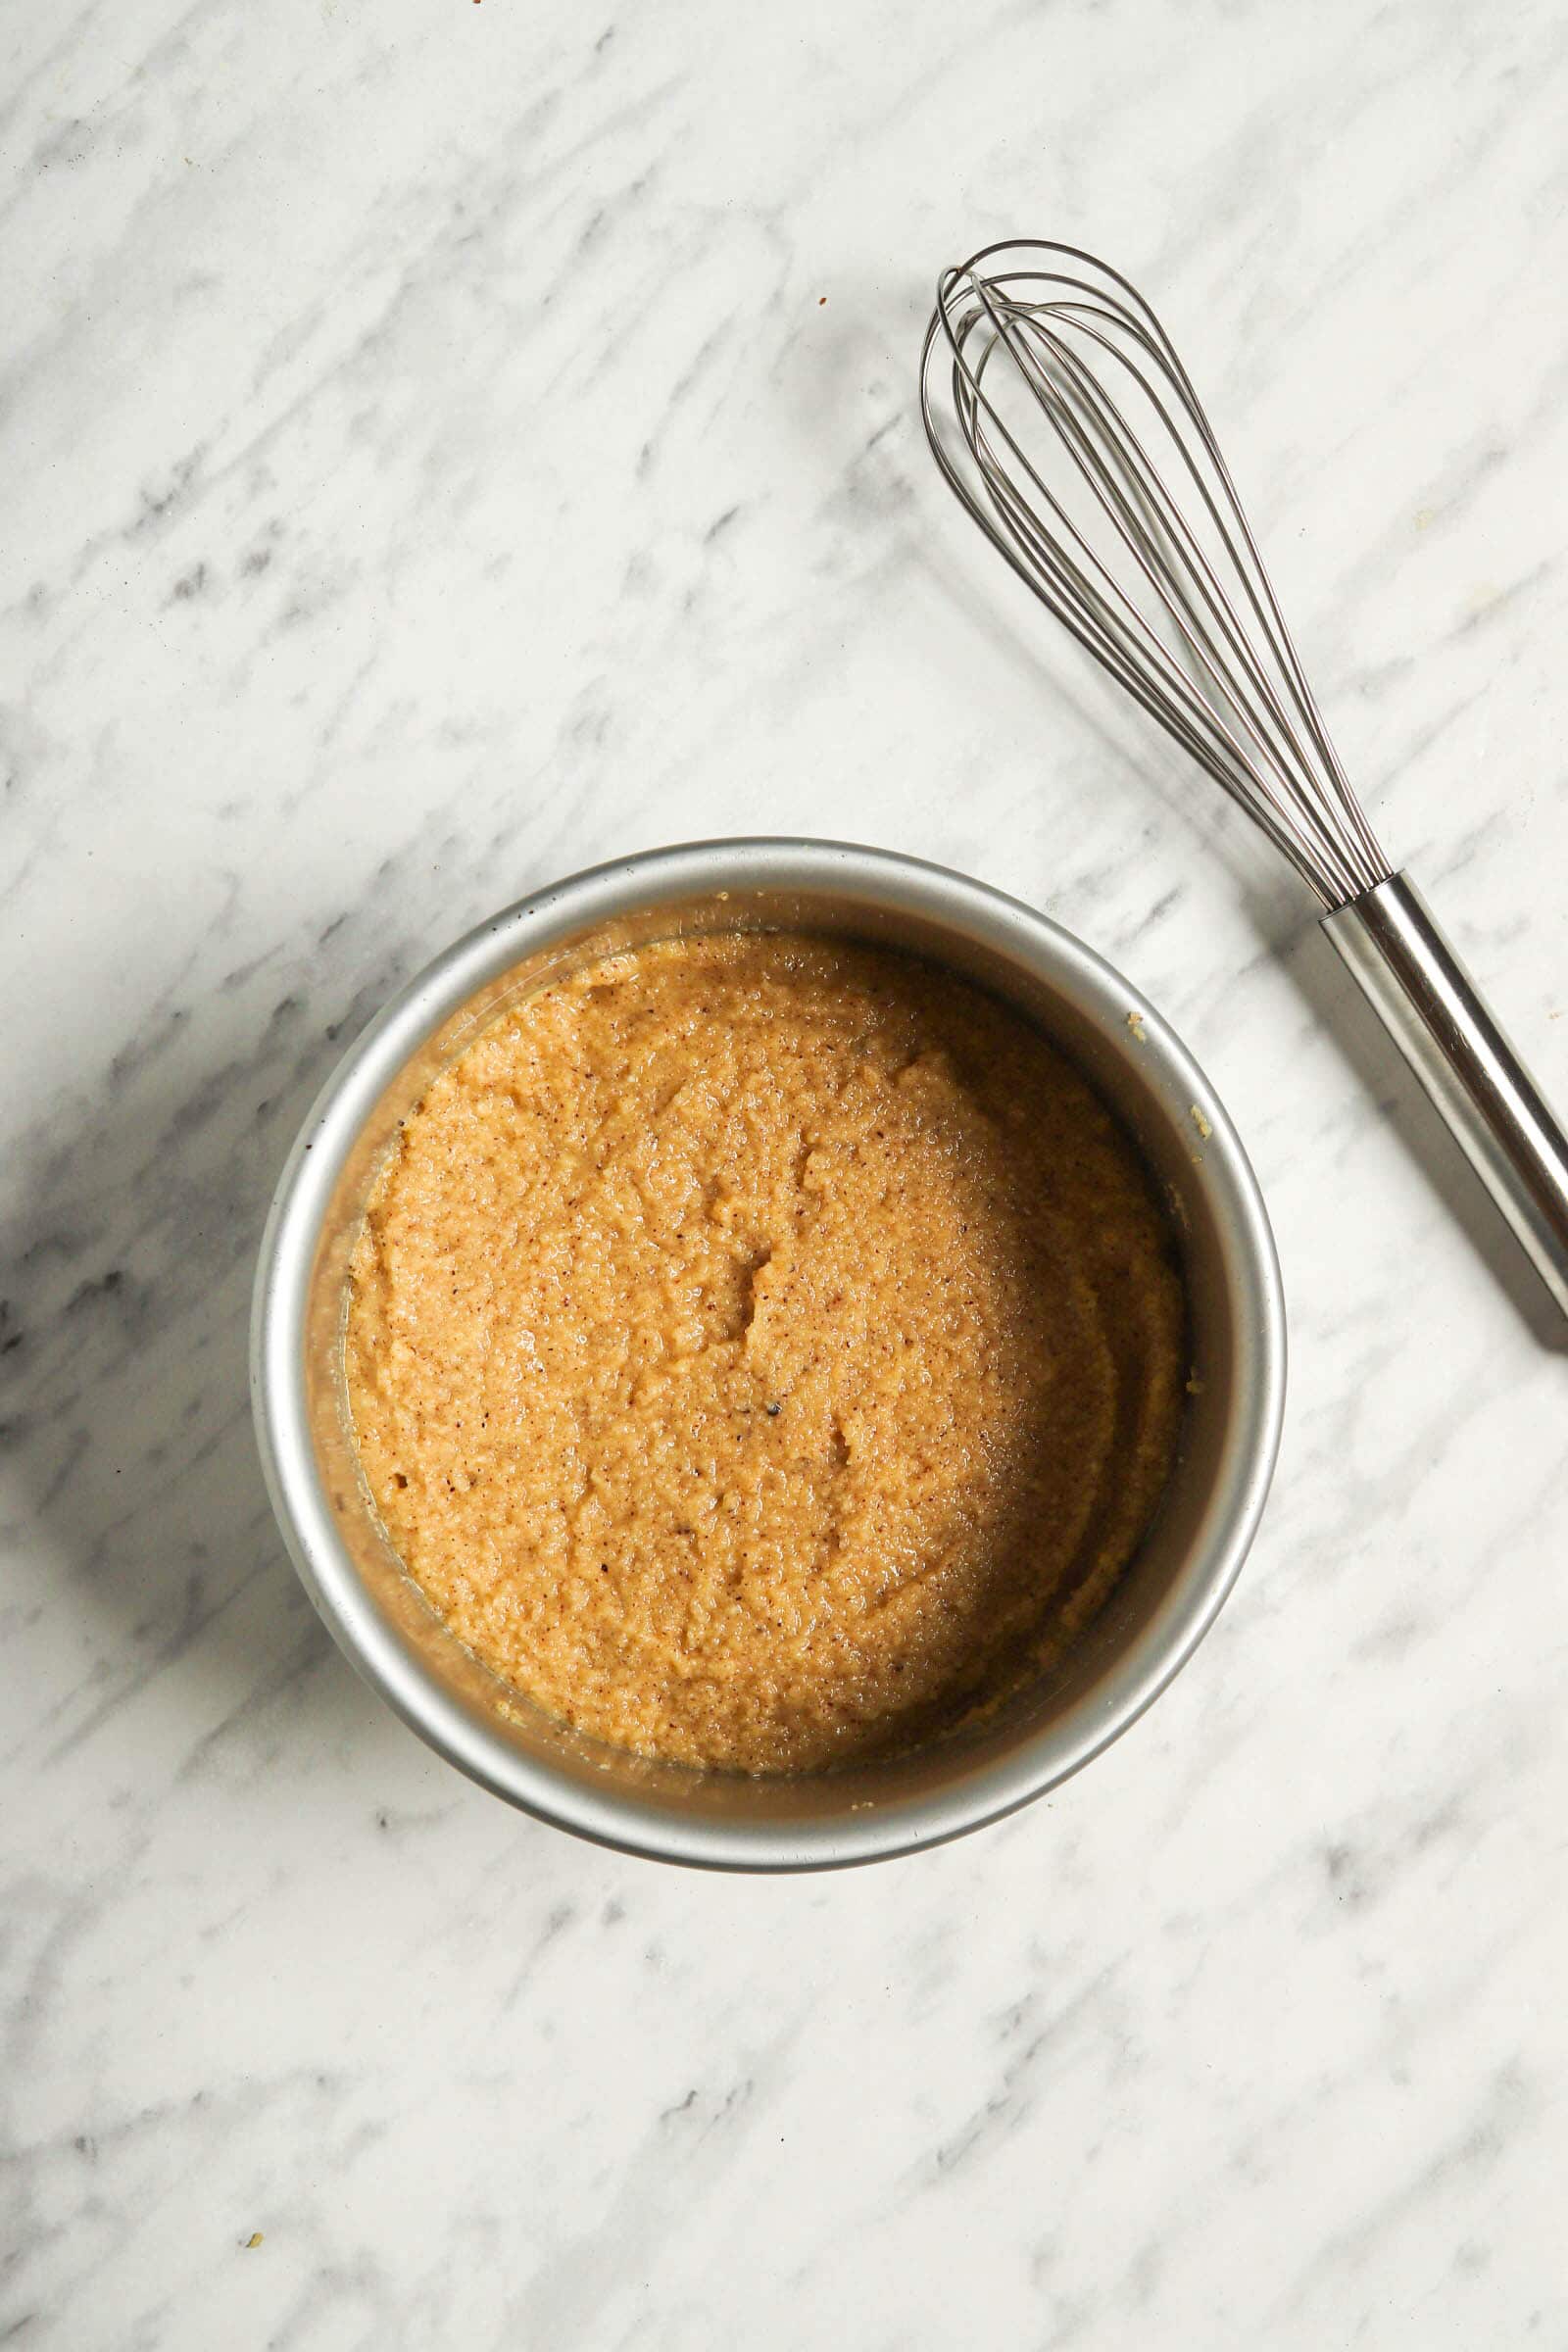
444,445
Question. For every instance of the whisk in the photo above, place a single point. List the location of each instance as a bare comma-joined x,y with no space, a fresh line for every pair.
1061,416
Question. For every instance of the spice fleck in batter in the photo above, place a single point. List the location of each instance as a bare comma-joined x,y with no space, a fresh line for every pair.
763,1350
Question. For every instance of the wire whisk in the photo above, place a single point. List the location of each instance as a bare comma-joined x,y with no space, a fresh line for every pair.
1062,419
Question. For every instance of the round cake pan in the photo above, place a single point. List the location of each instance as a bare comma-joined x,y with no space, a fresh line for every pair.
1163,1604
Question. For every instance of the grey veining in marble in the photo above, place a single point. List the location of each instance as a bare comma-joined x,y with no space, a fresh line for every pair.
447,444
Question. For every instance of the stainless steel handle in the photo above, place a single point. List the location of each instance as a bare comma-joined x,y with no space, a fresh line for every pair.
1430,1007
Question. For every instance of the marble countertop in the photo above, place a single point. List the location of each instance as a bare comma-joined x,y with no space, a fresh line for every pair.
446,445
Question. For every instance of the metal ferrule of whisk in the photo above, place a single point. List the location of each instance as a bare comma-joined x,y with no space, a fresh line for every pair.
1062,419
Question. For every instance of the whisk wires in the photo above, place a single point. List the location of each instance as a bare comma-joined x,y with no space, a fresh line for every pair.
1061,416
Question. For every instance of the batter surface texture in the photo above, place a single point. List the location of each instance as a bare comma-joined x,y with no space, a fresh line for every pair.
763,1350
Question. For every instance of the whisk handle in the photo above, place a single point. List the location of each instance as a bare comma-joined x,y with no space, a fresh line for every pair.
1431,1008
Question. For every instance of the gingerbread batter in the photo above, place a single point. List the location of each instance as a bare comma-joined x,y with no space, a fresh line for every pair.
763,1350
